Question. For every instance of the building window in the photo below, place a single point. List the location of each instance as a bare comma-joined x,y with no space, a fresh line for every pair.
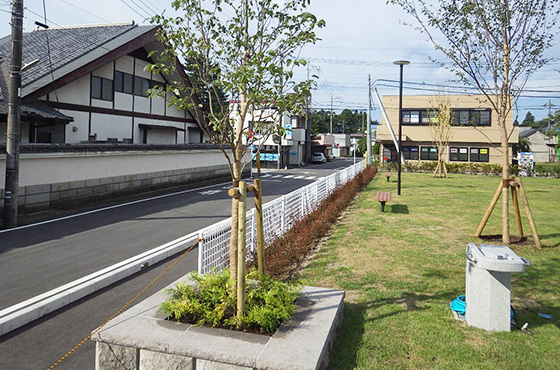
479,155
459,154
410,152
428,153
411,117
390,154
101,88
471,117
141,86
123,82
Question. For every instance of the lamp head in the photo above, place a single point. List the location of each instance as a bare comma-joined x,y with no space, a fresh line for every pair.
401,62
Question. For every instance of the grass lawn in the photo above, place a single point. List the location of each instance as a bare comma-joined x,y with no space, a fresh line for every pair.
402,268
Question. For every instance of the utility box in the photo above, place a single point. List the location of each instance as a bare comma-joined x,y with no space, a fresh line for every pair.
488,285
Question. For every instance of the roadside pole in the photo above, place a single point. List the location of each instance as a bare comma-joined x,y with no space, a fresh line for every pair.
14,119
368,124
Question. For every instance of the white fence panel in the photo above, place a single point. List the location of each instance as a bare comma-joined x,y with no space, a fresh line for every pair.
278,216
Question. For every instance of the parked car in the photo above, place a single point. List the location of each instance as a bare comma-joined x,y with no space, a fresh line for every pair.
318,158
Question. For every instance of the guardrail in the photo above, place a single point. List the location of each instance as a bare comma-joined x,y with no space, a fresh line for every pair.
278,216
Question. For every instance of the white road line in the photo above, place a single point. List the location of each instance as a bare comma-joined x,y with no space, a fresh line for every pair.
277,176
298,177
289,176
311,178
111,207
210,192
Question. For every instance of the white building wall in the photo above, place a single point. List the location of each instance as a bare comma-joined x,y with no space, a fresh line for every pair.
161,136
123,101
173,111
76,92
125,64
139,69
158,105
110,126
141,104
77,130
106,71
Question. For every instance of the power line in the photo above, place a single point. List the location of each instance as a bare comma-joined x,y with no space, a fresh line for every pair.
134,10
83,10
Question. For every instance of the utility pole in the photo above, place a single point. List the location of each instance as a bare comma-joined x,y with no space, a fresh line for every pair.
368,124
331,115
549,106
308,126
14,119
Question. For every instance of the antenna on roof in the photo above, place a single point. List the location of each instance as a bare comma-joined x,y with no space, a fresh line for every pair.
30,64
42,25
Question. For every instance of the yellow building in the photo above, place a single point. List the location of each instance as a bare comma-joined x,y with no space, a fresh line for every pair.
475,132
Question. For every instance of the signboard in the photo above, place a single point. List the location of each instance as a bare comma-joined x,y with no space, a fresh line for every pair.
526,161
271,157
288,131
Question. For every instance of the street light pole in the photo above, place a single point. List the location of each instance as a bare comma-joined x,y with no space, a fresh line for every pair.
400,63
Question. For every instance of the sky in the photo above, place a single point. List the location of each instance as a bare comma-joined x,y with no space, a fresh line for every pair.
362,38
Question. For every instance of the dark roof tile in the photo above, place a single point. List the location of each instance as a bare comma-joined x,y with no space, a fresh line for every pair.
65,44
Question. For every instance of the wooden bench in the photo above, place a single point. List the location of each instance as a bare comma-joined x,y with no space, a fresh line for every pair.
383,197
388,175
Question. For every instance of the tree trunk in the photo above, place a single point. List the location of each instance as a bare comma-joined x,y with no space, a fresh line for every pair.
505,180
238,150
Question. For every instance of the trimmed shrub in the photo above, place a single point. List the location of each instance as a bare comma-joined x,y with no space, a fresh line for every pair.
285,255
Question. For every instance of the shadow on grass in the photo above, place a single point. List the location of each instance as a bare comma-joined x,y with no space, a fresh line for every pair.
350,337
399,208
546,237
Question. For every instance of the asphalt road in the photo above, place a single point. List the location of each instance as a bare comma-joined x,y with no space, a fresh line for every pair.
38,258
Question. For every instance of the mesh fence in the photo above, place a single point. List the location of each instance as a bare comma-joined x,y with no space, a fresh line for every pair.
279,215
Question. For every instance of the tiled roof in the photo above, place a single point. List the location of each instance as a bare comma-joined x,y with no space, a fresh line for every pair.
526,131
65,44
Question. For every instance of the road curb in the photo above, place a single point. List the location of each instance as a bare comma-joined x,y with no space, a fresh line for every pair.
23,313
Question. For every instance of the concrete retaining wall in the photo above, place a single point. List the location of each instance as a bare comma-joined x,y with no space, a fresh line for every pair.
142,339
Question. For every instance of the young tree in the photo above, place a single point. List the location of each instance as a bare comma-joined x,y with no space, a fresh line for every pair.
441,118
493,45
246,49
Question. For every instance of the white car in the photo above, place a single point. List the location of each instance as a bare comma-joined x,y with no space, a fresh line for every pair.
318,158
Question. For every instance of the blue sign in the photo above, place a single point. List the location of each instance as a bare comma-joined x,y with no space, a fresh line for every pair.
271,157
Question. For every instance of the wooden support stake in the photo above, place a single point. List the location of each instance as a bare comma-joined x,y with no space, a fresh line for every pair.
260,227
529,215
515,203
241,249
258,164
489,210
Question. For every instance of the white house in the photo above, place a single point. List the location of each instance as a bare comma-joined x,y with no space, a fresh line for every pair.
89,130
542,146
260,124
89,84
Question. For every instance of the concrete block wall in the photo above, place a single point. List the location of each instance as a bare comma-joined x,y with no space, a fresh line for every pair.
62,177
68,194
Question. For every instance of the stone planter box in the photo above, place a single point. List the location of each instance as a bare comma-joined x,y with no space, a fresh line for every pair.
141,339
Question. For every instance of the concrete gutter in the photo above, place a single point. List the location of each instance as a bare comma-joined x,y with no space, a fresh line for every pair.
20,314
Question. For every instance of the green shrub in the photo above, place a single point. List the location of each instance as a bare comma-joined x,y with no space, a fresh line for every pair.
211,301
547,169
286,254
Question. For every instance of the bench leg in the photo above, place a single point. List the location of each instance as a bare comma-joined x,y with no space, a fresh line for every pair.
382,206
387,178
